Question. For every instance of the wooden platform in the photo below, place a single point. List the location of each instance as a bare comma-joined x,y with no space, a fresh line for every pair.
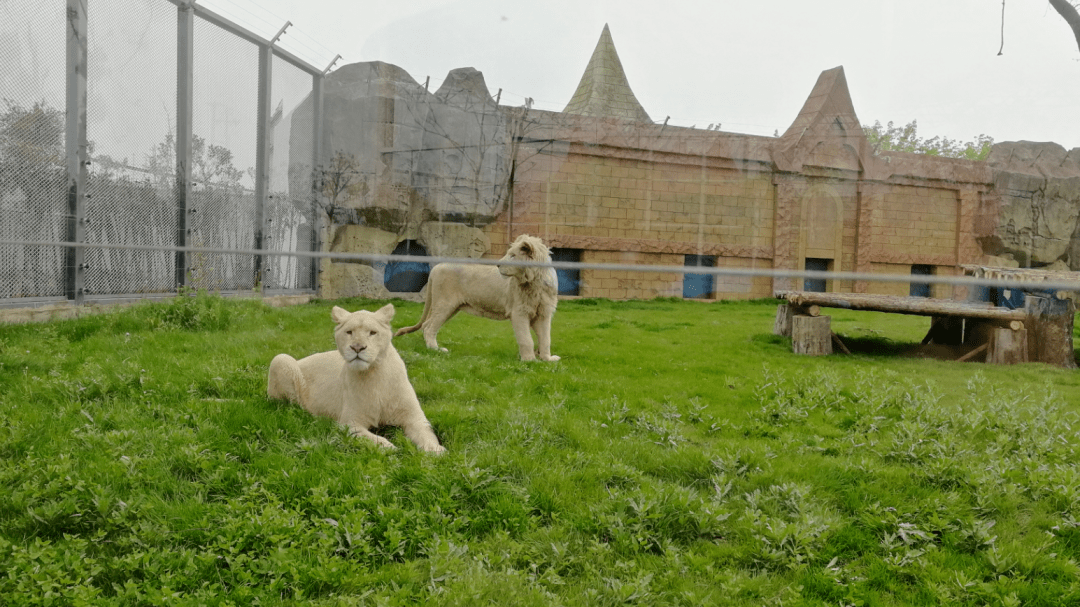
920,306
1041,332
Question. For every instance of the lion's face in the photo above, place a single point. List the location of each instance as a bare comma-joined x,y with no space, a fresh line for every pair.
525,248
362,336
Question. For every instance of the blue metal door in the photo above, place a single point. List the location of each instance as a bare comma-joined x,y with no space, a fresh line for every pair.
816,285
698,286
406,276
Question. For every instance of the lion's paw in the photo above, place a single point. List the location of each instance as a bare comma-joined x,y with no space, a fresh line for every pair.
551,358
375,438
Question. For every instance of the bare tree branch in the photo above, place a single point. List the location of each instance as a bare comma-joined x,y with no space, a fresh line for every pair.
1069,13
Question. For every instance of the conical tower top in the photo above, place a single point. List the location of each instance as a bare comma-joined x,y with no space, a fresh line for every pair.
604,91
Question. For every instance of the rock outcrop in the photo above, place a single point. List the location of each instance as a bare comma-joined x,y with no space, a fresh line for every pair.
402,163
397,155
1039,214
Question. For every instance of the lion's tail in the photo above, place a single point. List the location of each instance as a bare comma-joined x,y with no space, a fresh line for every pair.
423,315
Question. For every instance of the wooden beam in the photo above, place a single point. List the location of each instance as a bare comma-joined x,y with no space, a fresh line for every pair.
973,353
836,340
920,306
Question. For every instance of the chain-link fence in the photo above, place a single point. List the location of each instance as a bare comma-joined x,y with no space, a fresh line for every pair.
292,215
171,152
223,157
131,85
32,199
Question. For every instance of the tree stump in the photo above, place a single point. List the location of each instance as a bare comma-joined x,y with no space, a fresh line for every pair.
1007,346
1050,328
782,325
811,335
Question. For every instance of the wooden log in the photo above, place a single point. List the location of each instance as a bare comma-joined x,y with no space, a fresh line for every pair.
1007,347
900,305
810,310
1051,327
973,353
811,335
782,325
840,344
1016,325
929,337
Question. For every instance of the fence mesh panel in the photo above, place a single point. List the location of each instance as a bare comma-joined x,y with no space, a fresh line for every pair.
223,158
33,203
131,66
131,97
289,208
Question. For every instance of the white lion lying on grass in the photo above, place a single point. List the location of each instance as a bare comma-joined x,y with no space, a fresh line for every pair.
527,295
363,384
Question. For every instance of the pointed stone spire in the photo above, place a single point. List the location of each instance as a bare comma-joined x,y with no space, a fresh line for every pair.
604,91
827,119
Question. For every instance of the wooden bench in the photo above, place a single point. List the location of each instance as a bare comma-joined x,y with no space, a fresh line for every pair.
1041,331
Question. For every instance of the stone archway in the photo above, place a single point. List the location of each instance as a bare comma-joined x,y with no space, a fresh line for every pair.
821,227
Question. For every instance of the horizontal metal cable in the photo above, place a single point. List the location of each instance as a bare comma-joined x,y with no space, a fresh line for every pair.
1059,285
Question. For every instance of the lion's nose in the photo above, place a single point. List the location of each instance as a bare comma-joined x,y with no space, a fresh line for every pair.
358,348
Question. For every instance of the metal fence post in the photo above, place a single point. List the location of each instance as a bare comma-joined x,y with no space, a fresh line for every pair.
316,187
185,61
75,144
262,151
262,156
318,160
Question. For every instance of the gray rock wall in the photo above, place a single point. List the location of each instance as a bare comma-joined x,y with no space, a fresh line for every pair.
403,163
1039,217
407,155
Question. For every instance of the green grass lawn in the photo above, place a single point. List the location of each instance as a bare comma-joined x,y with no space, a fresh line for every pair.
678,454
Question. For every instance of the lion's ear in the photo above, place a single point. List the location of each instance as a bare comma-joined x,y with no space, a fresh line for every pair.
338,315
526,249
386,313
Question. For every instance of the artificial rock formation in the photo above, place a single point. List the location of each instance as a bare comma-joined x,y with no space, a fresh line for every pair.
1038,220
361,278
396,155
398,158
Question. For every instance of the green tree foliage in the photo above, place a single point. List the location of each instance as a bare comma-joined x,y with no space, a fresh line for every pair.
31,148
906,139
211,165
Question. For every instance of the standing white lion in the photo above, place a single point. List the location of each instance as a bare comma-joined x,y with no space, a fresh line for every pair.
363,384
527,295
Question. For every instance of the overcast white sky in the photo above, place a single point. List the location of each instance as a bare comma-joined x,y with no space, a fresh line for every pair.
747,65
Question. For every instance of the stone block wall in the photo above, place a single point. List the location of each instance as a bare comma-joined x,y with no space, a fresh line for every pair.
902,289
637,205
617,203
917,225
633,192
625,284
632,210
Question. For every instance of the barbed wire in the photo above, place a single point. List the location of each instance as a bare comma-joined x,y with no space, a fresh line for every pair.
1049,284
